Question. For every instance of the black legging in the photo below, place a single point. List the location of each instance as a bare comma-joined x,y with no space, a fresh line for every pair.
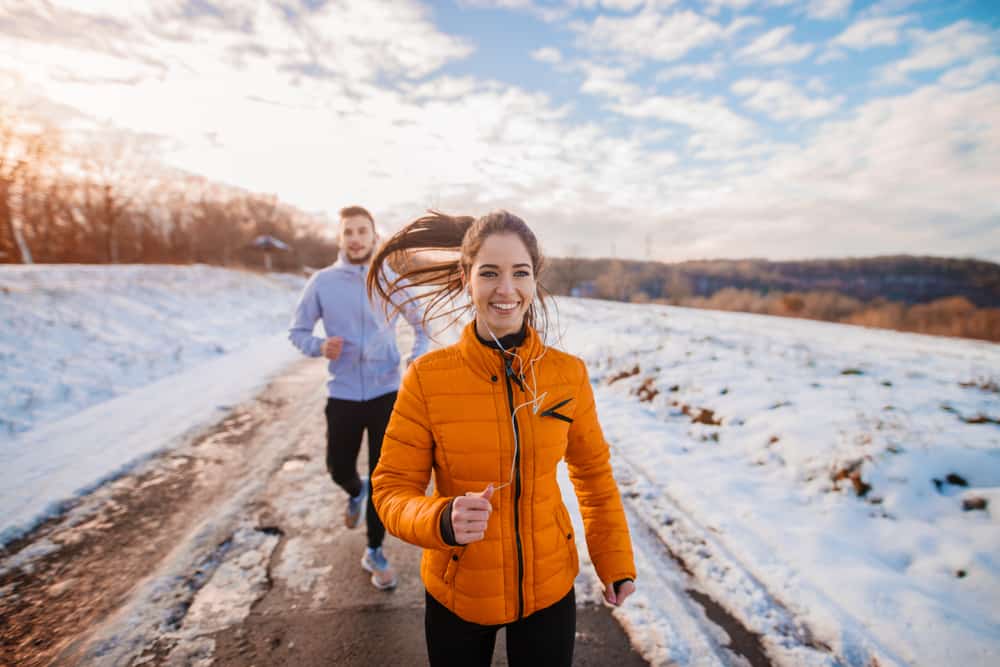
346,421
544,638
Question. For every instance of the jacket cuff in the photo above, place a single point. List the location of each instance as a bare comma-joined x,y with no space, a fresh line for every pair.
447,530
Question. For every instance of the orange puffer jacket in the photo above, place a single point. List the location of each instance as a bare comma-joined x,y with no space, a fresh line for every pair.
453,416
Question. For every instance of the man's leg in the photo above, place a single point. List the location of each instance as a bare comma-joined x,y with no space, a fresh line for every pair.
544,638
379,411
344,427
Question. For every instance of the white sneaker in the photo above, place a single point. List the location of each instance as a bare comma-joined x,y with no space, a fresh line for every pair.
383,576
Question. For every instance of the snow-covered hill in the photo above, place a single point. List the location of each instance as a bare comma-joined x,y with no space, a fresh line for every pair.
101,366
75,336
845,477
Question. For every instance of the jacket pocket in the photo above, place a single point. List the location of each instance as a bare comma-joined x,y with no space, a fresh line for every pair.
451,566
566,528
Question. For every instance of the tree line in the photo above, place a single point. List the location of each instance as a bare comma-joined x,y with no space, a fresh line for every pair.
934,295
109,202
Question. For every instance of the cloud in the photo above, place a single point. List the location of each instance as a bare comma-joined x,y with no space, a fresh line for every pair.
783,101
828,9
607,81
972,74
868,33
740,23
547,13
716,129
936,49
901,173
650,34
353,39
714,6
616,5
774,48
699,71
548,55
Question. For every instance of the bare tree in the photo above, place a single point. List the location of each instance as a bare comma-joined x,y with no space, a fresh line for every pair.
616,283
677,287
115,176
22,149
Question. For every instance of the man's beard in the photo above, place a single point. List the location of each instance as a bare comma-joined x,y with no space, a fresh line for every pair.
364,259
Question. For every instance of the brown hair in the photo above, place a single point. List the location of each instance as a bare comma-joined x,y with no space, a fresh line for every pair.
351,211
438,281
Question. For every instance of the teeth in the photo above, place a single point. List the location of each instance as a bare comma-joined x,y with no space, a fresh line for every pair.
504,306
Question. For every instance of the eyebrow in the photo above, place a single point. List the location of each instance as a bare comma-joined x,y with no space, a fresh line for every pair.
497,266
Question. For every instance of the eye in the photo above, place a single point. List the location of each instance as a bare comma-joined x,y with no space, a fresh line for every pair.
522,273
488,273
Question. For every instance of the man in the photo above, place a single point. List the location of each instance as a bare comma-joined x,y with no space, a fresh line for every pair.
364,371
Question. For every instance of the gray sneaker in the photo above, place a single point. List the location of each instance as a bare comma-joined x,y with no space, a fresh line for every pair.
383,576
356,506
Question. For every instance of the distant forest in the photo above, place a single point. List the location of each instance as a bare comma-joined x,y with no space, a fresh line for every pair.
113,203
942,296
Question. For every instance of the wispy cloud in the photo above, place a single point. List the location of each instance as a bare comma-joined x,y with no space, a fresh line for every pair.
868,33
936,49
775,48
699,71
971,74
783,101
650,34
714,6
715,126
828,9
607,82
548,55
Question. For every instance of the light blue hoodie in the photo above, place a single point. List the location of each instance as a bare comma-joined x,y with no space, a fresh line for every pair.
368,366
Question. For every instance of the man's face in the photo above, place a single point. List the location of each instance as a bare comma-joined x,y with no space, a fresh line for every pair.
357,238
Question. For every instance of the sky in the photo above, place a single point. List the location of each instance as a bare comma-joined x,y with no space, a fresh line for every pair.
667,130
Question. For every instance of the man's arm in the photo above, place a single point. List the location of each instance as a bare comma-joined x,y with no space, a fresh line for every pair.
414,315
307,311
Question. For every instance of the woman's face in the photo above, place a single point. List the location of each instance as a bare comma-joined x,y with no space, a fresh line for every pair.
501,283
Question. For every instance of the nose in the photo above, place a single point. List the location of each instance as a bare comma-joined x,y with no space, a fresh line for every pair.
505,286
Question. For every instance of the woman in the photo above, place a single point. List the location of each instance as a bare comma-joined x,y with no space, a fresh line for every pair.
491,416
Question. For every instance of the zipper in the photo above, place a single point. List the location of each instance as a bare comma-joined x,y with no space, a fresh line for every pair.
508,374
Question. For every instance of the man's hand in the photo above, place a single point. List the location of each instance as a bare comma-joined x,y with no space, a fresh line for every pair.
332,347
470,514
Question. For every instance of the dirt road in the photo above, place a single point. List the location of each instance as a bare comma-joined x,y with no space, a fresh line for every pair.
228,550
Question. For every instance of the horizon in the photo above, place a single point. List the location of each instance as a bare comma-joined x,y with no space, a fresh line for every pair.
668,131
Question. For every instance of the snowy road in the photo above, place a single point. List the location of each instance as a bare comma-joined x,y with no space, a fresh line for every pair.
227,550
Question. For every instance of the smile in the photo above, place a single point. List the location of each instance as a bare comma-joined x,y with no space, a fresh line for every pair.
505,307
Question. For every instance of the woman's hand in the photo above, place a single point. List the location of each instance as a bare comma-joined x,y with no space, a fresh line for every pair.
470,514
626,589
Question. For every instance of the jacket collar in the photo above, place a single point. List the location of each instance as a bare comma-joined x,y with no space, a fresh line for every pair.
487,362
342,264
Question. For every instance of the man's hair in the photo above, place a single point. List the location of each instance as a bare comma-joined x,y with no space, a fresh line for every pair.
351,211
